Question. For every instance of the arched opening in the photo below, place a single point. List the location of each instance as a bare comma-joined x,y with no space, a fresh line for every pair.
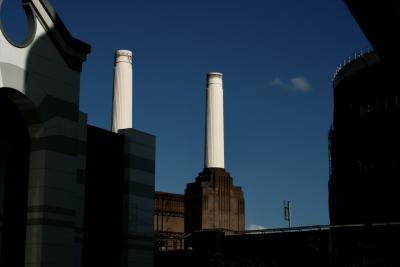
14,173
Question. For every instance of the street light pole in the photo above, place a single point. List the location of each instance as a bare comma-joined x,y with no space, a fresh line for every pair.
287,212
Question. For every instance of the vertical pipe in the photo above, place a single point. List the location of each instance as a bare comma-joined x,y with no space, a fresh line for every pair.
214,143
122,97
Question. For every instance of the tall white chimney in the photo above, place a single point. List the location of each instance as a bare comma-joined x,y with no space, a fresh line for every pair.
214,144
122,98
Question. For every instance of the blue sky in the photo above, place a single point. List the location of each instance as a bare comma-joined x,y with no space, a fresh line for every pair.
277,58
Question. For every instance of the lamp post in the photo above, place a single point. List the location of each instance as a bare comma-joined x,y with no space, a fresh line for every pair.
287,211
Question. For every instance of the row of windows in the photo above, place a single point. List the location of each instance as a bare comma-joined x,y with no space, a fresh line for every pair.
168,204
380,105
368,167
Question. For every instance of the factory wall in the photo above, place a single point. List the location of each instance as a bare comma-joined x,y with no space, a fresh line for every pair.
169,220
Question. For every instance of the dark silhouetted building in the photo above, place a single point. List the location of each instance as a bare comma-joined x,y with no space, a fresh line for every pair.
365,134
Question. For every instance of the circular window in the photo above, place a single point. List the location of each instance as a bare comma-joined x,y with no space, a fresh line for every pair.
17,22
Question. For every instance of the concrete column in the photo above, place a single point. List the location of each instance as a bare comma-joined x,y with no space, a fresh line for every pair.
214,143
122,98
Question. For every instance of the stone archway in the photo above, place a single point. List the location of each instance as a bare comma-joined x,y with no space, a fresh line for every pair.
14,180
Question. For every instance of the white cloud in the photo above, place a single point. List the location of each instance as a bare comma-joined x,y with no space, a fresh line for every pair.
300,84
255,227
295,84
276,82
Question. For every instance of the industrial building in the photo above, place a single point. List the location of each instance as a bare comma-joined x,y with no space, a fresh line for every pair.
71,194
212,202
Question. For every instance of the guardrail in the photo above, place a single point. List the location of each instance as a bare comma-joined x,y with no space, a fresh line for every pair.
168,241
317,227
350,59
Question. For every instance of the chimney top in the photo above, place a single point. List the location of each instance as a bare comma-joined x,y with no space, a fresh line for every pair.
214,78
123,56
214,74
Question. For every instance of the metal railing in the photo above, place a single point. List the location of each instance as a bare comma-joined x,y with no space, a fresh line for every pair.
317,227
351,58
176,242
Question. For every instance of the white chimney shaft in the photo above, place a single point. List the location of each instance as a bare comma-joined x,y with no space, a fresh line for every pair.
122,98
214,144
